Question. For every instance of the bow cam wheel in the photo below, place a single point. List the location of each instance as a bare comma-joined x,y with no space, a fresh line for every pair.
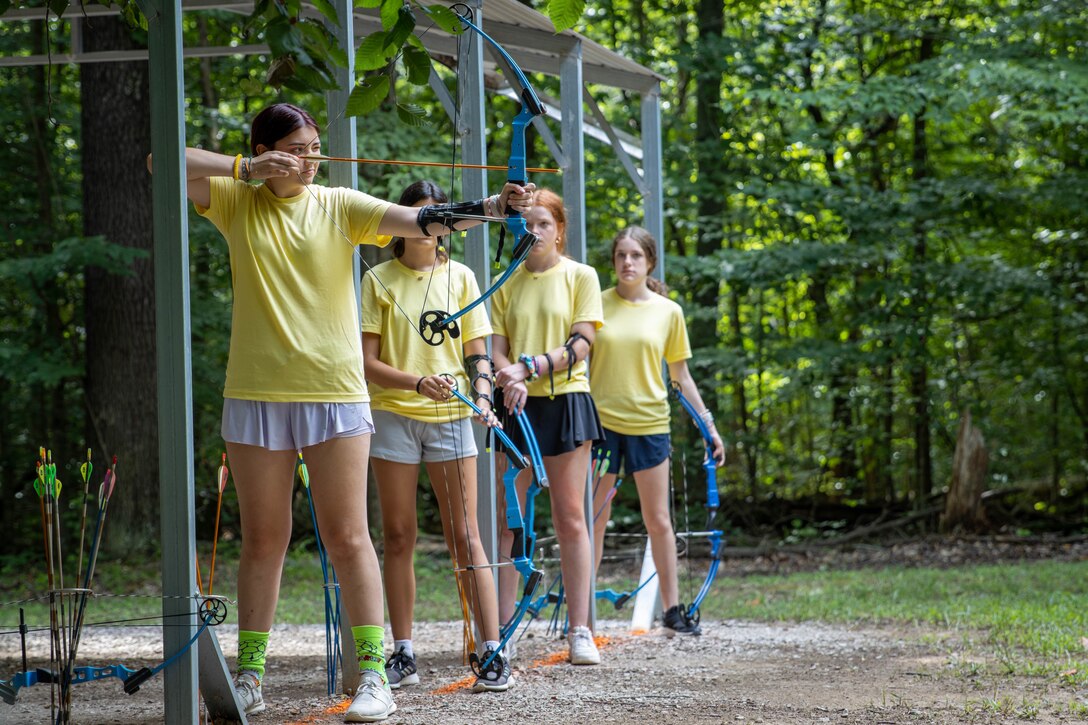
213,610
433,327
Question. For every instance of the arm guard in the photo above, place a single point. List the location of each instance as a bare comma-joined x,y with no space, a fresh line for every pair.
474,373
447,214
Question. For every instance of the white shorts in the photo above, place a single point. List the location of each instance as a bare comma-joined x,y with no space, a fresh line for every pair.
292,426
405,440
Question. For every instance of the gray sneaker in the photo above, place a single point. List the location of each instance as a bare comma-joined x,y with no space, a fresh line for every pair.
400,670
373,700
248,687
497,676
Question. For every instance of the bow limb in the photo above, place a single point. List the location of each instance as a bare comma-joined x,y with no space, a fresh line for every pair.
435,324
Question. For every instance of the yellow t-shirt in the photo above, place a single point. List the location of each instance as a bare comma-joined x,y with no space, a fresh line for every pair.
452,287
625,364
535,312
295,329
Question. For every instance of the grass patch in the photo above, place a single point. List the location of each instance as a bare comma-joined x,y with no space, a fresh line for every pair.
1031,613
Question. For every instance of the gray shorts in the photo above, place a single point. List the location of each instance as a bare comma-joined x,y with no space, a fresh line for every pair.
292,426
405,440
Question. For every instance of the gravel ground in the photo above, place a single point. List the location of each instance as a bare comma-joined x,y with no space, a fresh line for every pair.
737,672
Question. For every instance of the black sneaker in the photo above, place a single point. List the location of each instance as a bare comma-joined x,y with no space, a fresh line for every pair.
497,676
400,670
677,621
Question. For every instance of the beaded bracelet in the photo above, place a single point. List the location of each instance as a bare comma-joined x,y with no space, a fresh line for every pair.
530,364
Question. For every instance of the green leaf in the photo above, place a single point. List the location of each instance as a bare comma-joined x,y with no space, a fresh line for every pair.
444,18
326,8
367,96
321,43
372,53
280,71
412,115
307,78
368,3
134,18
565,14
402,30
418,64
390,13
57,7
290,8
283,37
251,86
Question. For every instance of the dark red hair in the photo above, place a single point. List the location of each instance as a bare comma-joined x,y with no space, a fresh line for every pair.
554,203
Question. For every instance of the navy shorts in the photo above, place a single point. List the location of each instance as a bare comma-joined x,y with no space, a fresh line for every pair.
633,453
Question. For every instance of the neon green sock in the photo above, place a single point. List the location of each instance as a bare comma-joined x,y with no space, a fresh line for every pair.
370,648
252,648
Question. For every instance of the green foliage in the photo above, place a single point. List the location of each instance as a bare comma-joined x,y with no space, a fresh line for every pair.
565,14
895,182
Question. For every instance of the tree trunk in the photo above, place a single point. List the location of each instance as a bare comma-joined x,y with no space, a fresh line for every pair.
963,509
712,210
120,306
919,361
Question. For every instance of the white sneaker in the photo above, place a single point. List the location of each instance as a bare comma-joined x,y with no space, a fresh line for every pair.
248,687
583,650
510,650
373,700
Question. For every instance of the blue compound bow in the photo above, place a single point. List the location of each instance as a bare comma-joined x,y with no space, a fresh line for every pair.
435,324
212,611
712,504
554,594
520,524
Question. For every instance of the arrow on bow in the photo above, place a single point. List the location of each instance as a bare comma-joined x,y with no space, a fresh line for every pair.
438,164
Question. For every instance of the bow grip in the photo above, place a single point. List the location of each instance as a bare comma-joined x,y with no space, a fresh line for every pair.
142,675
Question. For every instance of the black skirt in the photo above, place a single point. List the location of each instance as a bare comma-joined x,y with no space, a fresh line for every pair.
561,424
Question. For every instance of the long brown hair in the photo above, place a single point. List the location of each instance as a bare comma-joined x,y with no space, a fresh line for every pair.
554,203
413,194
277,121
648,244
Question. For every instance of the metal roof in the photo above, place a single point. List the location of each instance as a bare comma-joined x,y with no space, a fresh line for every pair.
526,34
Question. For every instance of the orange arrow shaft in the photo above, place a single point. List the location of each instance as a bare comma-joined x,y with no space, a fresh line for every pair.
425,163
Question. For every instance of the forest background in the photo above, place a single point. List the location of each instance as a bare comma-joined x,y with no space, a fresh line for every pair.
875,221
